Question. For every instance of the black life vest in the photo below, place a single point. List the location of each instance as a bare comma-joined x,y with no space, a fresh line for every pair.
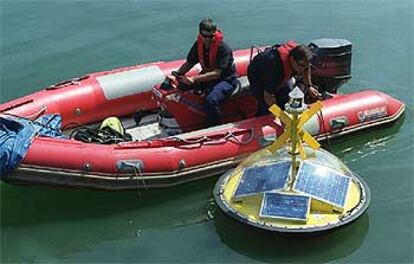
284,50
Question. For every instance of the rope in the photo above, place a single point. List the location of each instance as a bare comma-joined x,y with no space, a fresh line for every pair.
259,50
74,124
137,174
67,83
321,118
36,114
229,136
142,177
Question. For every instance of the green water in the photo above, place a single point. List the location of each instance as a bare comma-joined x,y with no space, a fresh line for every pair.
43,42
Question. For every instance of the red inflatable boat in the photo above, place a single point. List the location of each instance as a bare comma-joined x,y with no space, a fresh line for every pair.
171,143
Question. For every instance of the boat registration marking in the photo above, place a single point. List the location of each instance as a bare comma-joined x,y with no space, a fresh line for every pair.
372,114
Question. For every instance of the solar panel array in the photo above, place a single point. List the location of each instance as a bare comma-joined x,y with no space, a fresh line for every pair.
264,178
322,183
285,206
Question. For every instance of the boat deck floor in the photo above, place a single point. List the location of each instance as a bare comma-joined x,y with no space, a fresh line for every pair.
148,128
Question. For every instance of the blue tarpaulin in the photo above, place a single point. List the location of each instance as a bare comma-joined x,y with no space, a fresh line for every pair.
49,126
16,135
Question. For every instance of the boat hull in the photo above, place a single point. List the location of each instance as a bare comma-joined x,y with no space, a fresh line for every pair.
191,156
166,161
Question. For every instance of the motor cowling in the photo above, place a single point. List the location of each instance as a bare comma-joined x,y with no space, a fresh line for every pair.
331,63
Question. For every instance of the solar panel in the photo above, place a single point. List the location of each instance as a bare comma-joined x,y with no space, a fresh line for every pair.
323,184
264,178
285,206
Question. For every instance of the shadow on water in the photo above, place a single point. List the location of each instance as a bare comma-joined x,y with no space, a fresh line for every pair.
79,220
270,246
32,205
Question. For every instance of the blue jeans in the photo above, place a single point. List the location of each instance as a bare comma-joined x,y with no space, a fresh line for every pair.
215,98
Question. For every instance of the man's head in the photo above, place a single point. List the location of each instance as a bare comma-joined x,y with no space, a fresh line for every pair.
207,28
300,57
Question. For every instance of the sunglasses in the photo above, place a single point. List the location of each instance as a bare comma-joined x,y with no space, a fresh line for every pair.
207,35
303,64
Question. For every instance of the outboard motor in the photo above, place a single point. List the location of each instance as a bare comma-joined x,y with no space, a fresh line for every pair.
331,63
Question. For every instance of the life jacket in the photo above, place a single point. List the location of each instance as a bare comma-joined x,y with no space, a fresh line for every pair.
284,50
216,41
114,124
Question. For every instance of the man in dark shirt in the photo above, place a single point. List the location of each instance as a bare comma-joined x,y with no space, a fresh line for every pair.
270,74
218,72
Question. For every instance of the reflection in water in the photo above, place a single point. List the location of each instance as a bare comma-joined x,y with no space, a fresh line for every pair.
365,143
43,205
271,246
61,221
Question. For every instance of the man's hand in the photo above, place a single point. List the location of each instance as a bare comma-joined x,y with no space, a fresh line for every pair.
312,95
186,80
312,91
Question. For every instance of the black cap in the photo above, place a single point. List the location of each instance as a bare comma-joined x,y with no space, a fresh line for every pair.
207,25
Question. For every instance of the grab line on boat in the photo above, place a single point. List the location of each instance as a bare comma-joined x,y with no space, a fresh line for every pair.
229,136
137,172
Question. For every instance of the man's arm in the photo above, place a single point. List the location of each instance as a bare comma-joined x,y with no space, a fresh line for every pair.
310,90
269,98
204,77
307,76
192,59
223,57
273,76
185,67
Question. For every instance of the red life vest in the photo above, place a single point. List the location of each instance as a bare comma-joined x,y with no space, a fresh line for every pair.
284,50
216,41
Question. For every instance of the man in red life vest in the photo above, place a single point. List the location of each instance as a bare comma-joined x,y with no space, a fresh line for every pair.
270,75
218,77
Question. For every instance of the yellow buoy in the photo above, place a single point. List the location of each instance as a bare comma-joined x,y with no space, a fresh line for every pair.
292,185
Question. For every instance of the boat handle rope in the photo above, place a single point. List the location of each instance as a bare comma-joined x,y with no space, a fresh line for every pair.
138,176
321,118
137,173
233,138
229,136
38,113
28,117
64,83
259,50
